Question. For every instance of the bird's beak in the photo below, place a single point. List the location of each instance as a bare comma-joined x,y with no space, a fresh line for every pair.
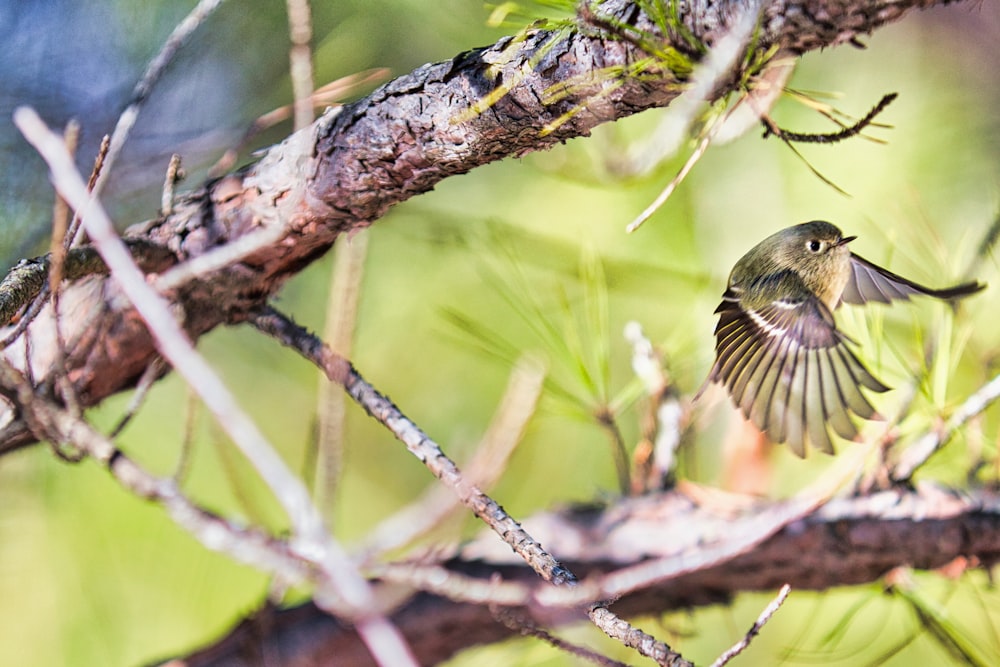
846,240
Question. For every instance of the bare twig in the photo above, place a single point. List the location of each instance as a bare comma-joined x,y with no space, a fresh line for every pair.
528,628
95,173
770,127
455,585
789,138
310,535
504,433
341,317
754,630
300,60
341,371
631,636
174,175
155,69
219,257
917,454
244,544
153,371
57,255
417,442
718,64
60,218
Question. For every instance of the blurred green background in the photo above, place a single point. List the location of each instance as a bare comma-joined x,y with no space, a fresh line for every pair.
90,575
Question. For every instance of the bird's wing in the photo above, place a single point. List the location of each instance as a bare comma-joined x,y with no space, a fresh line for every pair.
789,370
869,282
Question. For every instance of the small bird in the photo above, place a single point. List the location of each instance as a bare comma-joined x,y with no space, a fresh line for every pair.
778,351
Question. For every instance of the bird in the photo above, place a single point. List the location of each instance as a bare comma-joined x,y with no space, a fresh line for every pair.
778,351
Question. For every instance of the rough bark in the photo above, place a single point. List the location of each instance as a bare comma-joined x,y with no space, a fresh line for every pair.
847,541
349,168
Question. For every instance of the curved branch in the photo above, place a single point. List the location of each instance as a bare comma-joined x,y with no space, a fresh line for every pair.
352,165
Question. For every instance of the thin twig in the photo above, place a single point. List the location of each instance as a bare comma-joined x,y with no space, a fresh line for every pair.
174,175
300,60
340,370
629,635
126,121
754,630
72,233
57,255
528,628
219,257
772,128
310,534
490,460
241,543
455,585
60,218
153,371
919,452
341,318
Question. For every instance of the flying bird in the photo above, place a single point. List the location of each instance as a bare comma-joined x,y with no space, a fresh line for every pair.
778,351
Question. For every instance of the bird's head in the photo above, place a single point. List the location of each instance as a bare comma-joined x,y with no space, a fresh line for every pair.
818,252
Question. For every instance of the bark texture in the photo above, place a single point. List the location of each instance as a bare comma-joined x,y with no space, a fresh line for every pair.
846,541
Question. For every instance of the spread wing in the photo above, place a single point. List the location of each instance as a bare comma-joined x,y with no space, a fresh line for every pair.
869,282
788,369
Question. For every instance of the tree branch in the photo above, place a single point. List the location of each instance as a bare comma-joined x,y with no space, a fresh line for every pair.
353,164
847,541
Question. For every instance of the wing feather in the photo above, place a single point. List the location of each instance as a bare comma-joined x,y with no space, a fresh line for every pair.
787,367
870,282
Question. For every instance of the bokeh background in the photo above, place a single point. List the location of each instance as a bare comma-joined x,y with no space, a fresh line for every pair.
90,575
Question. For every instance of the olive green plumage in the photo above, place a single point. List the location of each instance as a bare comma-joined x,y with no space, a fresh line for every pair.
779,353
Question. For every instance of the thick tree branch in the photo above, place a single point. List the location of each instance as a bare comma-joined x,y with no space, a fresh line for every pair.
350,167
847,541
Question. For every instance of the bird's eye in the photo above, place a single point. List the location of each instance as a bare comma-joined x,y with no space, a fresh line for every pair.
814,246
